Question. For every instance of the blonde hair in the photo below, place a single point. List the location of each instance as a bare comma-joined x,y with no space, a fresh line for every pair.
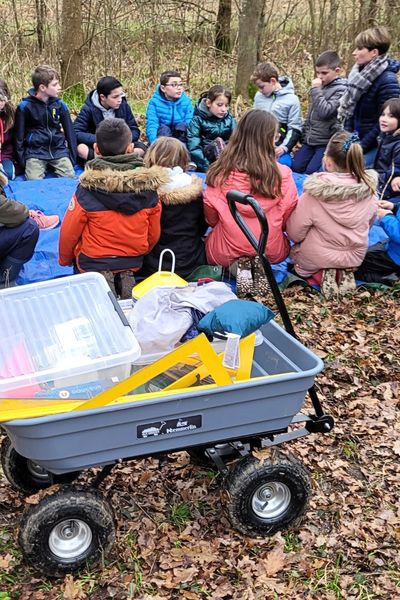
167,152
251,149
375,37
349,158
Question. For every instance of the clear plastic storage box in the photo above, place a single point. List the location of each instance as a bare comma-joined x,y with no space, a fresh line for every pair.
63,338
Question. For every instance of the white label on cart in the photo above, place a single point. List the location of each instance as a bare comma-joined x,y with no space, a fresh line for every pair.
231,354
169,426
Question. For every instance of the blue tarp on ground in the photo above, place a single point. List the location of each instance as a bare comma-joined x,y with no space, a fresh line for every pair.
52,196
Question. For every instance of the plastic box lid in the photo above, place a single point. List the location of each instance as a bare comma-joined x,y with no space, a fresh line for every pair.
61,328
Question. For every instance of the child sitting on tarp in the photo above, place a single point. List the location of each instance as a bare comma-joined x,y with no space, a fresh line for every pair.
106,101
113,219
182,219
382,261
19,232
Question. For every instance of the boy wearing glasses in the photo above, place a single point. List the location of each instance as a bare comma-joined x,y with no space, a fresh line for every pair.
169,110
106,101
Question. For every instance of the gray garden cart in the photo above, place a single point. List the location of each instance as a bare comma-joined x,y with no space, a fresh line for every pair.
221,423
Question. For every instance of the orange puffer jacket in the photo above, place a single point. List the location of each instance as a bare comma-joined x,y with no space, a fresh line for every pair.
113,219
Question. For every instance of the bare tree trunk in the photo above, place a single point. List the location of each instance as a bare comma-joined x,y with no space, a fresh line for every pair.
71,43
249,20
223,26
40,22
17,24
260,33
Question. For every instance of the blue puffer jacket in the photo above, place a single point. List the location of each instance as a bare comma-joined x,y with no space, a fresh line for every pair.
387,163
391,226
365,119
90,116
43,129
161,111
203,130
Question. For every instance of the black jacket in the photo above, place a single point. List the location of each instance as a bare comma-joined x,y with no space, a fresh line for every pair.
43,129
365,119
90,116
182,227
387,163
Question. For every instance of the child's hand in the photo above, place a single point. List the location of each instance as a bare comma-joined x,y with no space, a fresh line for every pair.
396,184
382,213
279,151
316,83
386,205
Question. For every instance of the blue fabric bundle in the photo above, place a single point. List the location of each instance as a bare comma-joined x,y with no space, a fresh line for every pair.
236,316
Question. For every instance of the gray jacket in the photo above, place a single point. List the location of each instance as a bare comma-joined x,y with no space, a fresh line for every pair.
321,121
285,105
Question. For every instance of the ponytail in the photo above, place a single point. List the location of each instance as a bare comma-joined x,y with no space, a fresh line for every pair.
346,152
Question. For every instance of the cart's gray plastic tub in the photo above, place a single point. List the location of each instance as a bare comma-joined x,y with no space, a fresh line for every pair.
73,441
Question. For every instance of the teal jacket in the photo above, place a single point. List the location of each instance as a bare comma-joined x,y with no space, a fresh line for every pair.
203,130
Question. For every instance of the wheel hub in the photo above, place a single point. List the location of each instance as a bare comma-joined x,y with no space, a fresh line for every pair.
37,471
70,539
271,500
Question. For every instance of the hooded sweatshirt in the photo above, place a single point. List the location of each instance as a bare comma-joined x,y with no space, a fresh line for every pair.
203,130
161,111
226,242
285,106
331,222
93,112
182,225
113,219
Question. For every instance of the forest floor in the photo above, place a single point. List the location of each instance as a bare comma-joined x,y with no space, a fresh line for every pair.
174,538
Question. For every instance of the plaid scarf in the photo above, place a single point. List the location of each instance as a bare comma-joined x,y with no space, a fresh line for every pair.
359,81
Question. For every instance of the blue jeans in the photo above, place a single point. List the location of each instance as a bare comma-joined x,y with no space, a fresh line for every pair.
8,168
177,131
369,158
17,245
308,159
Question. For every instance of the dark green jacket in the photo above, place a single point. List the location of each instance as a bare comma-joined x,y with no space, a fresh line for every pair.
203,130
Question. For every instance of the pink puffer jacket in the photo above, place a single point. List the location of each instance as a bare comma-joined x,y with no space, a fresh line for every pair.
331,222
226,242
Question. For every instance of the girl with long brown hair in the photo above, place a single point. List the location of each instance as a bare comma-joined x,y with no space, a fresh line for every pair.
248,164
331,221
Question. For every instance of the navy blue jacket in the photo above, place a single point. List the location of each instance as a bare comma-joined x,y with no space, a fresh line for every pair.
387,162
90,116
43,129
365,119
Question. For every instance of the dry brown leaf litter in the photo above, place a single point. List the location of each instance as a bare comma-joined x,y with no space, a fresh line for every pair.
174,538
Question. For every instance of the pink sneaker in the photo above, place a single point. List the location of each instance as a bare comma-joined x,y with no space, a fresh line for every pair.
44,222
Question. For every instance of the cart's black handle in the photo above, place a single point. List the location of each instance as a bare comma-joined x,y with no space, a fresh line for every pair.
235,197
118,309
239,197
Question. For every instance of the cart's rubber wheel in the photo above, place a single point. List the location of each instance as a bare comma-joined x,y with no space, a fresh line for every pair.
67,531
26,476
267,496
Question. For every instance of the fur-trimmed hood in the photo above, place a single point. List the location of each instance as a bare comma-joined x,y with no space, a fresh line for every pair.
334,187
130,181
183,194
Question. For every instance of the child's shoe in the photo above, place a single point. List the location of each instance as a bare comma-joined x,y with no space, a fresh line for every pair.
44,222
347,283
329,287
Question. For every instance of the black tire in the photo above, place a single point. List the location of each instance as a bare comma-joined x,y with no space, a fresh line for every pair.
67,531
282,482
24,475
